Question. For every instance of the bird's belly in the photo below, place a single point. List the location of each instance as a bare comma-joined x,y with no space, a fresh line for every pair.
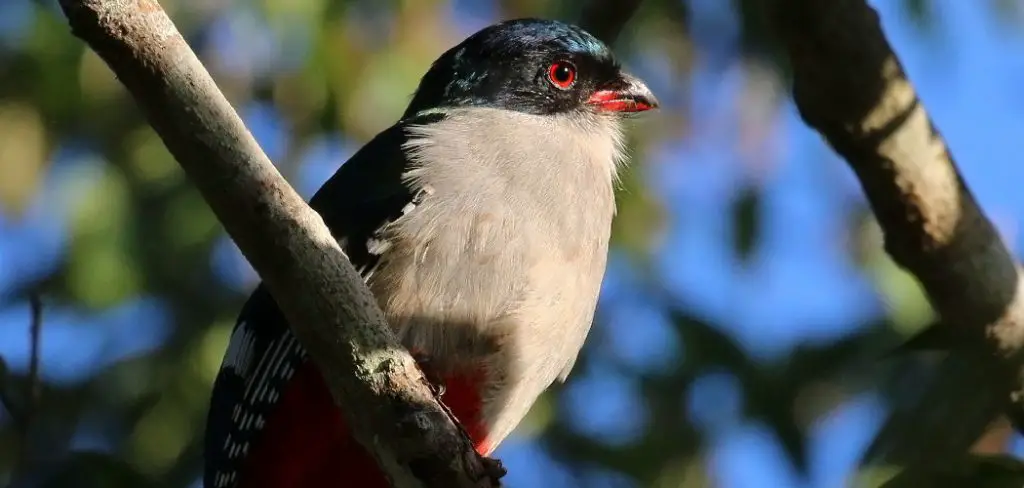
499,296
461,294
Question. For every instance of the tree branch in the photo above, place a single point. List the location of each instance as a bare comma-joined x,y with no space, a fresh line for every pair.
33,388
605,19
850,87
389,405
22,414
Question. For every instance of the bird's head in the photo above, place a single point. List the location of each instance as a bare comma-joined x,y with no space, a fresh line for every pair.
533,66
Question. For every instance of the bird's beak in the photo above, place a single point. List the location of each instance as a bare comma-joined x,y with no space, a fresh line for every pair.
625,94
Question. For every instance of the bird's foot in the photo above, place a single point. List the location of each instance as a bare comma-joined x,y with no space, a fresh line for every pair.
434,380
493,470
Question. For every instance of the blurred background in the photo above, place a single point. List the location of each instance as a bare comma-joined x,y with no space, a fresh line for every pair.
746,293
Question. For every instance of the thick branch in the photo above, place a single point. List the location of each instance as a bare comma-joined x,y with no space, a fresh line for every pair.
388,403
850,87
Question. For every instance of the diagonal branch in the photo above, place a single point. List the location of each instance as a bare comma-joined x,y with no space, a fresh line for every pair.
850,87
390,407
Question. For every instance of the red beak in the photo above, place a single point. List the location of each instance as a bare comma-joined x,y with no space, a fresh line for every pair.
627,94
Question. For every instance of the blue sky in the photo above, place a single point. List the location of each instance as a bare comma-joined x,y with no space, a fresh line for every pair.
800,286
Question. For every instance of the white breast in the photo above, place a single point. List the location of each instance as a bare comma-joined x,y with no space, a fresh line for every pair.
500,265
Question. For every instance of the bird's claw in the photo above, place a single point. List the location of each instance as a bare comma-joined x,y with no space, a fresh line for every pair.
493,469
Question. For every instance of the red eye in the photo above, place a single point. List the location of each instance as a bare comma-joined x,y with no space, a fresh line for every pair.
562,74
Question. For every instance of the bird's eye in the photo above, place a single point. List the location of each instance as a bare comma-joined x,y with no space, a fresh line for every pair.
562,74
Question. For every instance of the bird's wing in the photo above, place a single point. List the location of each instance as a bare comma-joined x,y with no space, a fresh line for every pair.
364,195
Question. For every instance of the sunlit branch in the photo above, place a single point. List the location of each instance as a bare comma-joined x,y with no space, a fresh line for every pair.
849,86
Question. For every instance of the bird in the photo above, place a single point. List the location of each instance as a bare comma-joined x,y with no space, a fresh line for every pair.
481,223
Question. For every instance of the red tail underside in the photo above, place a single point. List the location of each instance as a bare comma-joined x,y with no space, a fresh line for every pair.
306,443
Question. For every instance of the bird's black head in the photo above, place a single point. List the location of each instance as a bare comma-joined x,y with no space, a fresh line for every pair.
533,66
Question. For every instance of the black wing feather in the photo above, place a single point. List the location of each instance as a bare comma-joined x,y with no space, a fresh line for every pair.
362,197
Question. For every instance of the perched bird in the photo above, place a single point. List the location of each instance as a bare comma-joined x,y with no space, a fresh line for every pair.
480,221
